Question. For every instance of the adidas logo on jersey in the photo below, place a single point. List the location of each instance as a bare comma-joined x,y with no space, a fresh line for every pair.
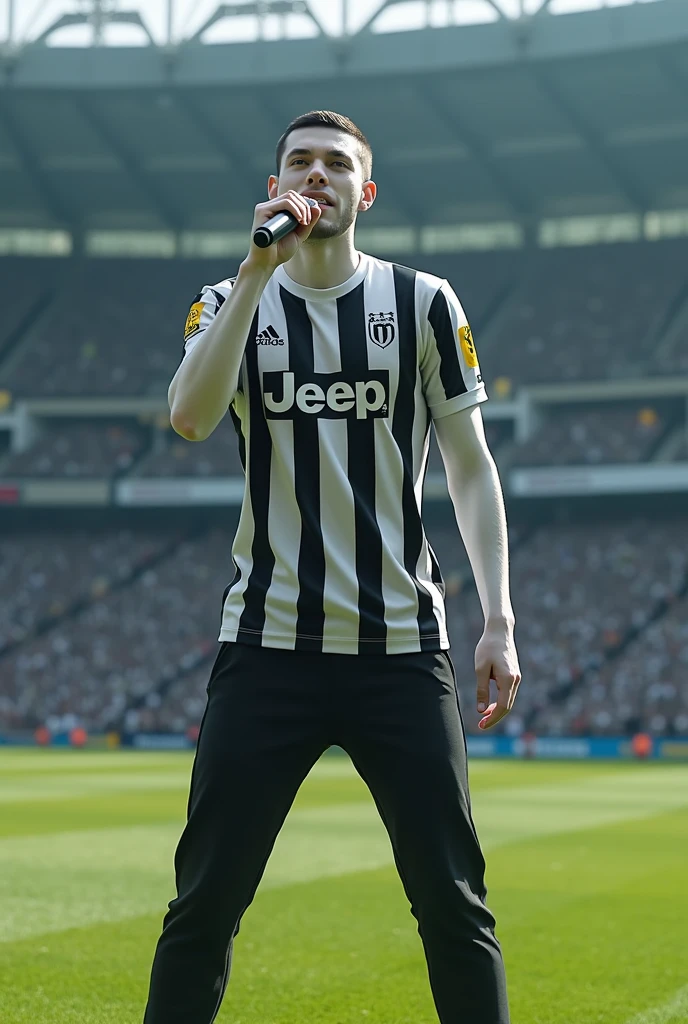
327,395
269,337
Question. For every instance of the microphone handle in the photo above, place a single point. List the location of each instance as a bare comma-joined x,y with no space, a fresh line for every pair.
274,229
277,227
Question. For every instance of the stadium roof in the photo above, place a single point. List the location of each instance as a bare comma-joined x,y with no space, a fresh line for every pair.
515,120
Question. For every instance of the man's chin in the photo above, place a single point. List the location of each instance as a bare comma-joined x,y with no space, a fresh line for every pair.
324,229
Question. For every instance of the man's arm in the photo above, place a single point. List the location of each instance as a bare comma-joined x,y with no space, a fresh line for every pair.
476,494
205,383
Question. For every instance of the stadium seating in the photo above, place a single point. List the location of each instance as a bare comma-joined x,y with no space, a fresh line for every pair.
218,455
643,690
42,573
27,286
114,327
78,449
606,434
119,647
578,593
97,625
586,314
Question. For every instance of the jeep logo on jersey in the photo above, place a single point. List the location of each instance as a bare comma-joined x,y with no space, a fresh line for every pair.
326,395
381,329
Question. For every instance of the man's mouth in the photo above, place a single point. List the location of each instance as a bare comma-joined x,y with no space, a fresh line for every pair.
322,201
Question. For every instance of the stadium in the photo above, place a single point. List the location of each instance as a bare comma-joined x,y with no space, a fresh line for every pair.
535,154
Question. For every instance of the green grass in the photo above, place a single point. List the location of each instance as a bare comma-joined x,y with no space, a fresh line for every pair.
586,876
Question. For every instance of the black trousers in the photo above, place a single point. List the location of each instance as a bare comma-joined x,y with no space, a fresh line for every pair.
270,715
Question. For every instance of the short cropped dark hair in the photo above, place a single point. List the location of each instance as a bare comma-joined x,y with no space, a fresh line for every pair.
328,119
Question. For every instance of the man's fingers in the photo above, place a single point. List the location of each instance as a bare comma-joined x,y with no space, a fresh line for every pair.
507,687
482,674
494,714
304,230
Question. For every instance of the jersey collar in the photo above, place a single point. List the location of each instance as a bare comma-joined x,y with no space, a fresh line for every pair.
322,294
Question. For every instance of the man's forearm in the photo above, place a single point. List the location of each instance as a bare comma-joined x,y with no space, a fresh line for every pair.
479,507
206,382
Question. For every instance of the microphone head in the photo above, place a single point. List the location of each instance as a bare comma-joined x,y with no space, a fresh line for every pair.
311,201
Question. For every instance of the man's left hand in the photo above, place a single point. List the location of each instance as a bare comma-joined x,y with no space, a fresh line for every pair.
496,658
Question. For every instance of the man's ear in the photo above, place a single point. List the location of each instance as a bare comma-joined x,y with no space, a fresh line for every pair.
368,197
273,186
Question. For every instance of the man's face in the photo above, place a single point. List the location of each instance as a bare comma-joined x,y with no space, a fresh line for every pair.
327,163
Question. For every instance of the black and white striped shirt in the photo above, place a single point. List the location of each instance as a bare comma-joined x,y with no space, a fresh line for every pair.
337,390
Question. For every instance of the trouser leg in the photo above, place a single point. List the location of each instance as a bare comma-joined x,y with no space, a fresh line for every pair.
406,739
260,735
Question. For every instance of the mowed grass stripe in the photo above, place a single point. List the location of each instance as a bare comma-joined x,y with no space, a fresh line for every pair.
675,1011
113,874
600,942
16,763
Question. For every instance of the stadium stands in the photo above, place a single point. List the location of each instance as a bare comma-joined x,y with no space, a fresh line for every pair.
578,594
111,628
586,314
641,690
218,455
27,286
42,573
78,449
604,434
114,327
121,646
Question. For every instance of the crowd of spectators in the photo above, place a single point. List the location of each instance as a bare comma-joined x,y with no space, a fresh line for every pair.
577,592
593,436
172,456
681,453
26,286
121,646
43,573
642,690
114,327
140,655
78,449
83,449
586,314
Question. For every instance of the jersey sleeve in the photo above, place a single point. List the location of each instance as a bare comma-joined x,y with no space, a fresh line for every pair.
203,311
449,364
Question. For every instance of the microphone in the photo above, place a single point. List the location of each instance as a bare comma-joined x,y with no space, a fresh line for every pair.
278,226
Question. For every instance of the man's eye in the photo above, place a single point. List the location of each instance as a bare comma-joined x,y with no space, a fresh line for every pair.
341,163
298,160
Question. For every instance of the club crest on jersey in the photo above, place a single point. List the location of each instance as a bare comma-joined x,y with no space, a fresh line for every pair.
193,320
468,346
381,328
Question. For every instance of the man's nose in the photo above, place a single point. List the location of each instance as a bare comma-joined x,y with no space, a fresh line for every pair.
317,173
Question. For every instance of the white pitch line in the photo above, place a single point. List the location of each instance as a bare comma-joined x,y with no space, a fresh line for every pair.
675,1010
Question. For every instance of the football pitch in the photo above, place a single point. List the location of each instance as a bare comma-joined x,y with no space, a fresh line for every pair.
587,876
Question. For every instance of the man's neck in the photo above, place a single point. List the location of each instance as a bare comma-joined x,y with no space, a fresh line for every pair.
324,264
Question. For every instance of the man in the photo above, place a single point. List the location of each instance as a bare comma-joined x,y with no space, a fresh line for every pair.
333,629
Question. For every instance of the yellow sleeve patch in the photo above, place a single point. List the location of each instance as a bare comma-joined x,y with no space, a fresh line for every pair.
468,346
193,320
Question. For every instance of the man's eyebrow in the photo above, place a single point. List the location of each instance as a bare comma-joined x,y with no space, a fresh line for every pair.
309,152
